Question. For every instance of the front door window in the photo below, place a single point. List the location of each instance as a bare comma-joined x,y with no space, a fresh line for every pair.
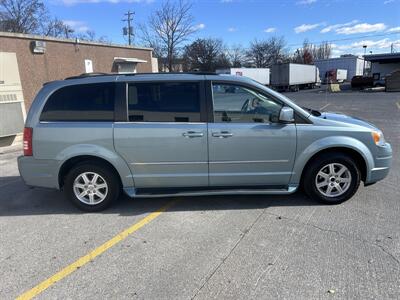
237,104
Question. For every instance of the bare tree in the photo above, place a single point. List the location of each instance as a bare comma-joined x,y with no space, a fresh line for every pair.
168,27
310,52
205,55
237,56
56,28
263,54
32,16
22,16
90,35
323,51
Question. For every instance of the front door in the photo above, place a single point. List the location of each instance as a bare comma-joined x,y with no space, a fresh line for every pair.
164,139
247,144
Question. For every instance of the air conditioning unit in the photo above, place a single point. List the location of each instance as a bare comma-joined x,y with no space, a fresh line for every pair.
38,47
12,108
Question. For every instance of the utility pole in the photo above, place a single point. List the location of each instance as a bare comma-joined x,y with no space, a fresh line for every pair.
128,30
391,48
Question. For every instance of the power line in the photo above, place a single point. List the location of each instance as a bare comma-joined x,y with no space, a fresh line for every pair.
350,39
337,40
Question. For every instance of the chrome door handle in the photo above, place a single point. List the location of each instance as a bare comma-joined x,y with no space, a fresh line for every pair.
192,134
222,134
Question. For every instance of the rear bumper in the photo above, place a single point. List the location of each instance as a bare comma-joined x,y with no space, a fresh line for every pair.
383,161
38,172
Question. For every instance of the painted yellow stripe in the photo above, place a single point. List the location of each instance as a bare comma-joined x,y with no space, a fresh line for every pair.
90,256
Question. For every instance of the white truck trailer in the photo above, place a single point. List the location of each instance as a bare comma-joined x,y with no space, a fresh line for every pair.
353,64
292,77
261,75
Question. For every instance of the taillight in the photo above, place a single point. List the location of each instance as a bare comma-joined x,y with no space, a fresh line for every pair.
28,133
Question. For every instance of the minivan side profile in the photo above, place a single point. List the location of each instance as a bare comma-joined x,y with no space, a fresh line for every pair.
158,135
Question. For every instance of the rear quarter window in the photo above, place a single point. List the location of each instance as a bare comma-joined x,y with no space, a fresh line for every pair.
84,102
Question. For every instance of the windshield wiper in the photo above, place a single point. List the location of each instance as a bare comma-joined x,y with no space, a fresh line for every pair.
314,112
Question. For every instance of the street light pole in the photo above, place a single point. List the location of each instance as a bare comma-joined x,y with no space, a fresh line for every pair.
365,52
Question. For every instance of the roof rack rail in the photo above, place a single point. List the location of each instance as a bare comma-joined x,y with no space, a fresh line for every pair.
85,75
171,73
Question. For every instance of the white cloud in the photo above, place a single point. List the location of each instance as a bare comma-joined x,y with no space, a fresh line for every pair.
77,26
306,27
337,26
394,29
377,44
361,28
388,1
199,26
232,29
306,2
270,30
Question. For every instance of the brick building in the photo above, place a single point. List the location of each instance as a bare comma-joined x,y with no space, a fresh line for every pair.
41,59
60,58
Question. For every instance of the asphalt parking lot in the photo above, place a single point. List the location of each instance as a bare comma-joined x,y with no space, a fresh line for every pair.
258,247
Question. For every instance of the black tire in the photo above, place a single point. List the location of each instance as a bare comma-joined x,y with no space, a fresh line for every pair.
312,169
107,175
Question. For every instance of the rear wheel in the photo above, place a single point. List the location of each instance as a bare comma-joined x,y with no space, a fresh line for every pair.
332,178
91,187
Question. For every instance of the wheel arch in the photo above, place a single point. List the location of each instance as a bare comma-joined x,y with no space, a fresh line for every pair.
75,160
346,145
81,152
355,155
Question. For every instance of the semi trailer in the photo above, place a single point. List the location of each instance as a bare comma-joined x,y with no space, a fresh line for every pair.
293,77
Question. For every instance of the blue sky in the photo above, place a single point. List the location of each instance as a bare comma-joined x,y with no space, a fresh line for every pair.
348,24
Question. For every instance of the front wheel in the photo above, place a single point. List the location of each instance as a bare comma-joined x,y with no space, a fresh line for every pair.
91,187
332,178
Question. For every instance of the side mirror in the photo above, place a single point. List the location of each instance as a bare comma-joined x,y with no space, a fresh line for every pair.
286,115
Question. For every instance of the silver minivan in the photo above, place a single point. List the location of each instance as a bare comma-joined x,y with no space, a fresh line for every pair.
157,135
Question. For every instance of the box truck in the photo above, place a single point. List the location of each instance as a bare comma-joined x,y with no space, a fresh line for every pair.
292,77
258,74
335,76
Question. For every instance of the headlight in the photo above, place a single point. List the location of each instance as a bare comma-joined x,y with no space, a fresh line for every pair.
378,138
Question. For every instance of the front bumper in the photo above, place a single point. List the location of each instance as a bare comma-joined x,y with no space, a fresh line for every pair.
383,162
38,172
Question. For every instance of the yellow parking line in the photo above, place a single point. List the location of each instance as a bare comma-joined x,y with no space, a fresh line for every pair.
91,255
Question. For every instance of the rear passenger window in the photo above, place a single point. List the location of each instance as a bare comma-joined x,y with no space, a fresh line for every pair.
164,102
84,102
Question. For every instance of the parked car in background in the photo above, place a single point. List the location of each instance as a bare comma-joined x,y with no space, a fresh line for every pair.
359,82
157,135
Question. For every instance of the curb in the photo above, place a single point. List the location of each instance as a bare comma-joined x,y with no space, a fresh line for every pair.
10,149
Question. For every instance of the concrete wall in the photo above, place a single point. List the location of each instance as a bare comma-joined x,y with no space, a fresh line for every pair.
64,58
